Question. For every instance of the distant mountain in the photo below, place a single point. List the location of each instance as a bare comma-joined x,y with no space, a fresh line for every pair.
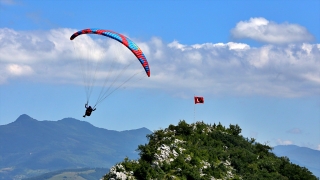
302,156
29,147
80,173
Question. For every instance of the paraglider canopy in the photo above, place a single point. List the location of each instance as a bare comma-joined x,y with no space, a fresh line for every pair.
122,39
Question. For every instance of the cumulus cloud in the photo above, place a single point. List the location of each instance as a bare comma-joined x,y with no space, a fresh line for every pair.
284,142
260,29
19,70
210,68
318,147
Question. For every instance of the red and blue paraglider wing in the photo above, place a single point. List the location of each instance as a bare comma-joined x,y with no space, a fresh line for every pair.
122,39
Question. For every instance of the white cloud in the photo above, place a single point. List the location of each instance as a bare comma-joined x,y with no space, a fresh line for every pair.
318,147
175,44
260,29
210,68
283,142
19,70
237,46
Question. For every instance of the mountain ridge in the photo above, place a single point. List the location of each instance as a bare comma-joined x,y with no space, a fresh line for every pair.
39,147
305,157
29,146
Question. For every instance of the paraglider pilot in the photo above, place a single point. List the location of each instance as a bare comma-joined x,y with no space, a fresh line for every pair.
88,110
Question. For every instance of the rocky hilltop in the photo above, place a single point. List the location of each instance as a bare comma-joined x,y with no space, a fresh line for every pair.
202,151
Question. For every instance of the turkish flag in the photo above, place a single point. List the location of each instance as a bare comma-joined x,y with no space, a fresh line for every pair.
198,99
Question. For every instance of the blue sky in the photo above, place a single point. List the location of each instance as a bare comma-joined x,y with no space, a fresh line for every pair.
256,63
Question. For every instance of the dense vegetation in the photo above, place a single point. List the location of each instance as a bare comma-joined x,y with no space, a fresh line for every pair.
201,151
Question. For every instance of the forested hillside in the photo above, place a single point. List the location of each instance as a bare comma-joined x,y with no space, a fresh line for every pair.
202,151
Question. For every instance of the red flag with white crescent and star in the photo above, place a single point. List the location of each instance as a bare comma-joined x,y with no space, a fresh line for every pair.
198,99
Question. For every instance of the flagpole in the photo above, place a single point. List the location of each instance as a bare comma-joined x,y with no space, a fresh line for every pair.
197,99
194,110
